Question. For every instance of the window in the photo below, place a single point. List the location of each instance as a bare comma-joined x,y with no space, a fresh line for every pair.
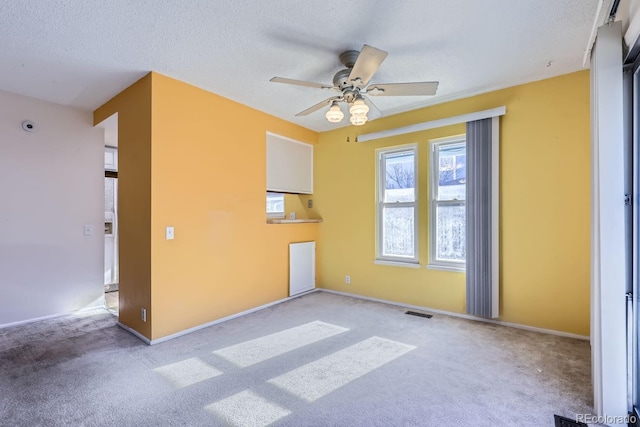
275,205
447,238
397,205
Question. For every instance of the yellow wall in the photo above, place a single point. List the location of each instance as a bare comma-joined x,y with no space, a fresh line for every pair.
544,208
196,161
298,203
134,199
208,181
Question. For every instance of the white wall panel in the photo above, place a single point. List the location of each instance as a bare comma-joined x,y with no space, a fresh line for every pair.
302,267
608,260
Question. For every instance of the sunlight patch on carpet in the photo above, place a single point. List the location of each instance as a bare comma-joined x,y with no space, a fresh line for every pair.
187,372
260,349
247,409
319,378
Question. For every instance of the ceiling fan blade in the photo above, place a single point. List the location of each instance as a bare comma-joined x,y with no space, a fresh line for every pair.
374,112
300,83
318,106
403,89
366,65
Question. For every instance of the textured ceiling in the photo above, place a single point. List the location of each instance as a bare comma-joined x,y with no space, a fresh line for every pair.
83,52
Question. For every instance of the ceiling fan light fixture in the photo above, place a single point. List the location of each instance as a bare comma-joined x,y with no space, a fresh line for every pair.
359,108
334,115
358,119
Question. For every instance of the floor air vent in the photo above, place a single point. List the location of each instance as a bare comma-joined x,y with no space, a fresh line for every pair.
566,422
415,313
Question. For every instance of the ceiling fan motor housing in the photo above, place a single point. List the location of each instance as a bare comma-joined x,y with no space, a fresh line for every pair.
349,58
341,80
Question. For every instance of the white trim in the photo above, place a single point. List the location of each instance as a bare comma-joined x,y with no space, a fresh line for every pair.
134,332
380,205
37,319
495,217
215,322
632,34
608,234
600,18
433,124
54,316
635,251
433,177
277,135
396,263
462,316
462,269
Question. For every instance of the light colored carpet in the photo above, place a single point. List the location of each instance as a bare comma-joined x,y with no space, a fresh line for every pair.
318,360
260,349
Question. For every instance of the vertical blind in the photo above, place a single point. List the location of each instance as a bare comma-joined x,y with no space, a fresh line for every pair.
481,218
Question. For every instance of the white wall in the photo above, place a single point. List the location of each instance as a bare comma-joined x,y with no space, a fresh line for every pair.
51,185
629,14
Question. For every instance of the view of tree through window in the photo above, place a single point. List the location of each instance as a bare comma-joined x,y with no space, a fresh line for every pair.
449,200
398,205
275,205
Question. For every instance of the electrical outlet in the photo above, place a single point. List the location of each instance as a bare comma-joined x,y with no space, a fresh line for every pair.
347,279
143,314
309,203
292,215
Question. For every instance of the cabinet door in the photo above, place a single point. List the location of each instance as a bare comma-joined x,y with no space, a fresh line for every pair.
111,159
289,165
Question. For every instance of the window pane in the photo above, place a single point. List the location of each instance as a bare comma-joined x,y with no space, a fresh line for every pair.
450,239
400,177
452,173
275,203
397,232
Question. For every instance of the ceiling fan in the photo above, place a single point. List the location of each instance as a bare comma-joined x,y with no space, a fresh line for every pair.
353,85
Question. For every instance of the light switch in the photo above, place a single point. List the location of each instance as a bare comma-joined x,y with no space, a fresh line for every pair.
88,230
169,233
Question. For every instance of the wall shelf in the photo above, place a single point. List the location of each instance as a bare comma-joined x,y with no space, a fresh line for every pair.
293,221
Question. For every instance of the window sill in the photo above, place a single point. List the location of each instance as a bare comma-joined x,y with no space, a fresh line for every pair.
452,268
397,263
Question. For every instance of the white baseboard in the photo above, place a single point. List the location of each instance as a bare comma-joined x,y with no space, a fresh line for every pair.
52,316
215,322
460,315
36,319
134,332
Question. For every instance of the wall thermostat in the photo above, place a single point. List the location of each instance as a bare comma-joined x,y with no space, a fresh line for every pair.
28,125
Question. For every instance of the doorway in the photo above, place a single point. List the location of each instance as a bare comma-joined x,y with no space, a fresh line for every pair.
111,255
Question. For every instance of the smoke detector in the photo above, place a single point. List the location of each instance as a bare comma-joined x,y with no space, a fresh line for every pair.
29,126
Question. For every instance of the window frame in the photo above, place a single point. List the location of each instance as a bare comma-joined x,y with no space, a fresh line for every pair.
276,215
381,172
434,175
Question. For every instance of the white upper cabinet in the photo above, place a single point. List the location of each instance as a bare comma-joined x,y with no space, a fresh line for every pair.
289,165
111,159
